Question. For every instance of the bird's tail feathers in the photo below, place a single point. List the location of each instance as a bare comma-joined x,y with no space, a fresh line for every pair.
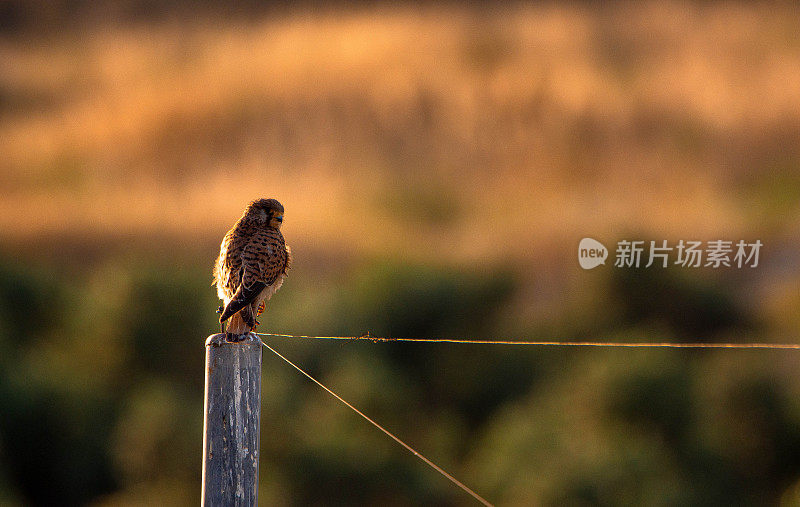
244,296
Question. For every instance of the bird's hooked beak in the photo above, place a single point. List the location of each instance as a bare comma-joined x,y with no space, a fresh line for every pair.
279,218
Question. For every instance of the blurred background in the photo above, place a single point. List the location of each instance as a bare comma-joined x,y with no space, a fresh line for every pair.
439,164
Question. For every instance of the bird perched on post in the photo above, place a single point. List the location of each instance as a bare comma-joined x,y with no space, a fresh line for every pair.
252,263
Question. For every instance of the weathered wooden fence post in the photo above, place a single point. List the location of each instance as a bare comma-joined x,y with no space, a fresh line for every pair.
231,424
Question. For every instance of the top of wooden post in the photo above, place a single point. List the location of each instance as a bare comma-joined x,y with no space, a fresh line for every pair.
220,339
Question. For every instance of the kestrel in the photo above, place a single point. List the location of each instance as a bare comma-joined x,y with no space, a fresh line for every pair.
252,263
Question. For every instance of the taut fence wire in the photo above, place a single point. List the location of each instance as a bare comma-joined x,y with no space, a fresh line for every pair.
609,344
675,345
413,451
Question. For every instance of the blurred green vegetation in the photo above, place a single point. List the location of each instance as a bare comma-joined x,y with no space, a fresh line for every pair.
102,395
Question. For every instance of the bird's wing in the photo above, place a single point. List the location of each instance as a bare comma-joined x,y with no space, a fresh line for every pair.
226,269
263,259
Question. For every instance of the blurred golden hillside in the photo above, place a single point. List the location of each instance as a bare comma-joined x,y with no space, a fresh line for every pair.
476,131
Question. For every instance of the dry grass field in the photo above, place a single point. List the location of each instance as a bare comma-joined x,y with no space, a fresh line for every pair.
478,131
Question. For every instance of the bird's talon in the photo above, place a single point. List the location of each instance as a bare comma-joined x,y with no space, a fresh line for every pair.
234,338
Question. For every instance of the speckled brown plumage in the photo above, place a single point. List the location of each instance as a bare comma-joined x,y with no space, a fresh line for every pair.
252,263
